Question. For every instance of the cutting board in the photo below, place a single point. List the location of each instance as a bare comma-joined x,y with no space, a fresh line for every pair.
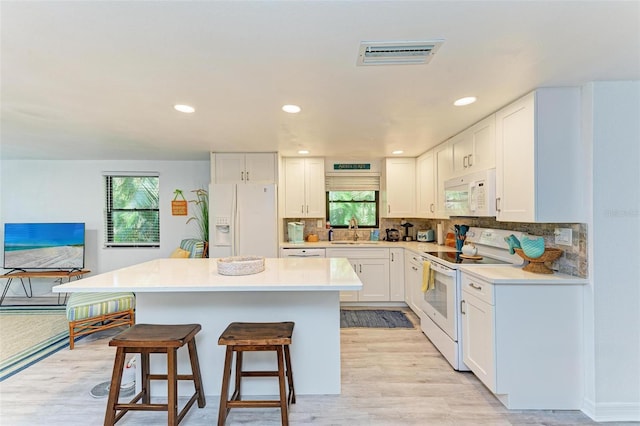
450,240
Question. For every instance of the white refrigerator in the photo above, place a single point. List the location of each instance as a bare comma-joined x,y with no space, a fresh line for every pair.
243,220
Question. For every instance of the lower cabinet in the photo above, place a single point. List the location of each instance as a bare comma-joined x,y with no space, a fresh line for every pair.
523,341
396,275
412,281
372,267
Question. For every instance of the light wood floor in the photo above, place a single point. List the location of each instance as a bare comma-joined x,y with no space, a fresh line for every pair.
389,377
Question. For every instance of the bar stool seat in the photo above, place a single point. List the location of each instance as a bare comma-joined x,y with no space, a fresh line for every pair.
242,337
146,339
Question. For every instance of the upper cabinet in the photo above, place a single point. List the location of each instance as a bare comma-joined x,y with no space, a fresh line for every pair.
540,164
304,188
474,149
398,192
244,167
443,157
426,185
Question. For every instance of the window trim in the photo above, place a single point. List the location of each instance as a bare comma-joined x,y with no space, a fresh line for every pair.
109,210
376,201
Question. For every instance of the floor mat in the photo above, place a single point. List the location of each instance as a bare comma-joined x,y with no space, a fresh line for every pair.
375,318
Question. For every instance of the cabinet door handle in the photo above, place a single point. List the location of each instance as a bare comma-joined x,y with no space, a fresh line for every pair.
242,176
498,204
469,162
247,176
302,209
465,161
432,208
475,286
361,268
392,257
307,208
414,268
388,208
462,303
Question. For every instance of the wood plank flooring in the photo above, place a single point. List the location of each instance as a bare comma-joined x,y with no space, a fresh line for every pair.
389,377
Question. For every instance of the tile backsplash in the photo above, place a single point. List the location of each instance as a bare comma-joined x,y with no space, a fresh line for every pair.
574,260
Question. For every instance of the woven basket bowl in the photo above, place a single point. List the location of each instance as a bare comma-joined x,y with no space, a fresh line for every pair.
537,265
240,265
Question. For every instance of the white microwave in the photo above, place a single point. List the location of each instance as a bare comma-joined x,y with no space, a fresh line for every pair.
471,195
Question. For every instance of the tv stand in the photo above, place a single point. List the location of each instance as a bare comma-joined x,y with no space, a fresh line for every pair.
22,274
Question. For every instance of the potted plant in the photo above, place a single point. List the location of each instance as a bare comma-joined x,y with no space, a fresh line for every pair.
201,214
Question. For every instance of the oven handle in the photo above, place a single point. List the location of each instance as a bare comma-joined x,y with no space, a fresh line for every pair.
443,270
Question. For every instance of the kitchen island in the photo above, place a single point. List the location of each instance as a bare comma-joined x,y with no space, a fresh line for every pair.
180,291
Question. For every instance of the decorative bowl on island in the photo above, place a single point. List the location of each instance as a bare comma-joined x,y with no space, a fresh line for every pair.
240,265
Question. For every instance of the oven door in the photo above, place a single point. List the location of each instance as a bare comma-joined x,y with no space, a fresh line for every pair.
440,303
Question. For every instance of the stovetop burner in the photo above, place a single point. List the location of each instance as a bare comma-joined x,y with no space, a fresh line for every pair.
457,257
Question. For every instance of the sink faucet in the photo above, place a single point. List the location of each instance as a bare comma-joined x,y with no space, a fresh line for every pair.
353,224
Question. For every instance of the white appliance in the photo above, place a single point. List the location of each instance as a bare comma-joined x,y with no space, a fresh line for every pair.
440,315
471,195
243,220
295,230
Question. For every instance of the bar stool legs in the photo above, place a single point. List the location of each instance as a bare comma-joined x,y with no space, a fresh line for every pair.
145,339
251,337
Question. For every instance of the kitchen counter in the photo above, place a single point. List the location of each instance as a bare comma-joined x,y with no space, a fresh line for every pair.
182,291
415,246
201,275
515,275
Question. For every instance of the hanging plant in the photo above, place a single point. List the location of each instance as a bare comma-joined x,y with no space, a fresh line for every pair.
201,213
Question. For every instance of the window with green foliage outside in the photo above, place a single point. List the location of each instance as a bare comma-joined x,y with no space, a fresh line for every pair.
343,205
132,211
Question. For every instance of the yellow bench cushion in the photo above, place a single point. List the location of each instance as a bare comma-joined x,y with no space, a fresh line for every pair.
89,305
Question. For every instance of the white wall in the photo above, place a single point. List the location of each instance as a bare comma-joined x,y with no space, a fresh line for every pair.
612,301
73,191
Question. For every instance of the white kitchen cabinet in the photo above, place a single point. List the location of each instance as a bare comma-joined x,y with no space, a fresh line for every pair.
443,156
243,167
413,281
396,275
474,148
372,267
304,190
523,341
540,163
426,185
398,188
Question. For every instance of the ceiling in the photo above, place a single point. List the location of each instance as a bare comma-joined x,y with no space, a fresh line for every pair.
98,80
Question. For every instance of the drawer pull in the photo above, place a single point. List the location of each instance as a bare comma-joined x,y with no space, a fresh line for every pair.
476,286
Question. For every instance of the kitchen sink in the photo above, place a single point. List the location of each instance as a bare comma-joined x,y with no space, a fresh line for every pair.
355,243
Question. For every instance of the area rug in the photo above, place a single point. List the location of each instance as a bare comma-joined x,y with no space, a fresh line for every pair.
375,318
29,334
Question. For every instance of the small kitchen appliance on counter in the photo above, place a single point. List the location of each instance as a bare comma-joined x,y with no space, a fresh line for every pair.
406,227
393,234
295,231
426,236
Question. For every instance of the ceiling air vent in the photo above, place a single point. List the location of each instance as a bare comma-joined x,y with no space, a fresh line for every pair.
397,52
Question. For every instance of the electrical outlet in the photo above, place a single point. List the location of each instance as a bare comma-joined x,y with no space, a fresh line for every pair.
564,236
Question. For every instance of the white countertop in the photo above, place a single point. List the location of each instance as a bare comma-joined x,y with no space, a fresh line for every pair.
418,247
515,275
201,275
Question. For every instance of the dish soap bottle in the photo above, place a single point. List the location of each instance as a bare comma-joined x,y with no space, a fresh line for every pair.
330,234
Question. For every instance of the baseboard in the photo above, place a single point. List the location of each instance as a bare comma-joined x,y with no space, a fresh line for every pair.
612,411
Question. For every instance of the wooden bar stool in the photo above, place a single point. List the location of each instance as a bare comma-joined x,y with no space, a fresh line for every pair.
242,337
146,339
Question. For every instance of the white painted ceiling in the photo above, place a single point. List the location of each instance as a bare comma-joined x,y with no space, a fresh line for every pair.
97,80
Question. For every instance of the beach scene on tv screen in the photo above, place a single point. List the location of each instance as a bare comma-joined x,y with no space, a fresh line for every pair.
44,246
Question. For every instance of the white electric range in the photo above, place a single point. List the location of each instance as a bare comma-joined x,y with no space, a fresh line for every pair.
440,314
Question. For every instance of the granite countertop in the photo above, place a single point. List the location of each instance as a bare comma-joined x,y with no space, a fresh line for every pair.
201,275
505,274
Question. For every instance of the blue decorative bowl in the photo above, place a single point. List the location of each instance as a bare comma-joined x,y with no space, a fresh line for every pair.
532,247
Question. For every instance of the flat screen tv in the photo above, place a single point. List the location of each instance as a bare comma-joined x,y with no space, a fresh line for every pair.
57,246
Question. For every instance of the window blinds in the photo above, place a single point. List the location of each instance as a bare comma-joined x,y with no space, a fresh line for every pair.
352,182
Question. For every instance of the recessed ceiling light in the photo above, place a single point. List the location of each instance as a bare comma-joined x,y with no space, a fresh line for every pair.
292,109
303,151
184,108
465,101
397,152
